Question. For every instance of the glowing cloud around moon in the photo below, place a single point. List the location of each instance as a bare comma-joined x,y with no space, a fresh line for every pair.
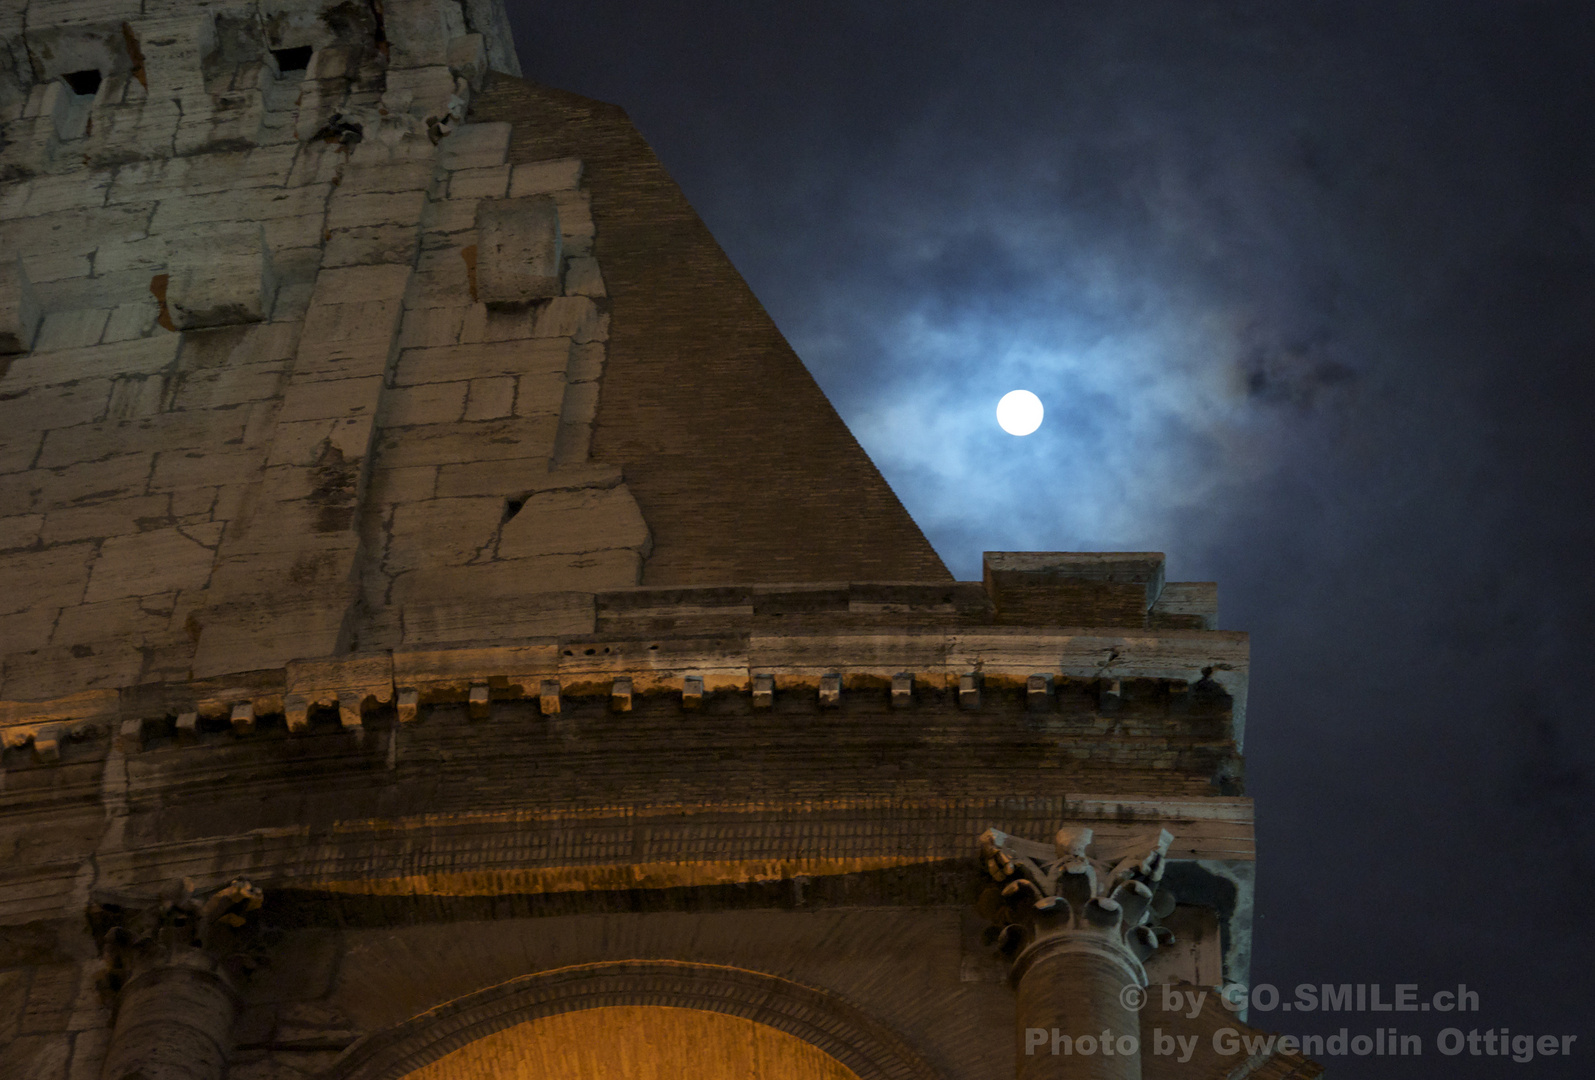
1019,412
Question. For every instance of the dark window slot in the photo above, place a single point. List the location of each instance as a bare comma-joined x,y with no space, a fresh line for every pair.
83,83
297,59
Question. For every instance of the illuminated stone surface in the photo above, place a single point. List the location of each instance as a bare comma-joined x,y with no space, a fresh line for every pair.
407,509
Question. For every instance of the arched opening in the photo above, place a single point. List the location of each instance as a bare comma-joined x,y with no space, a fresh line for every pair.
639,1020
637,1042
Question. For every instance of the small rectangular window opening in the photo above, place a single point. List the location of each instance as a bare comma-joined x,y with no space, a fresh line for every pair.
83,83
296,59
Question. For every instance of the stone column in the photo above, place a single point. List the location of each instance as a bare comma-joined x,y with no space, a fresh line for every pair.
1078,929
172,968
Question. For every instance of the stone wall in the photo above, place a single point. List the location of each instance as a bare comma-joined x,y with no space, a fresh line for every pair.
405,506
252,381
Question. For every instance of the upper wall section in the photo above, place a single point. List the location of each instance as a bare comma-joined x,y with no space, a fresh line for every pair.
743,469
299,362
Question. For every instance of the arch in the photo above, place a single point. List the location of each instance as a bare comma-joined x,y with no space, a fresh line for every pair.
839,1029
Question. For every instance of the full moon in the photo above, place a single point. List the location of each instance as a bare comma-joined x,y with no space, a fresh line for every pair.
1019,412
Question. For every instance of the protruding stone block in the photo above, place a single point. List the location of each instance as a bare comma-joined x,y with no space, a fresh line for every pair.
47,743
1073,588
548,697
830,691
220,278
620,695
479,702
409,705
296,710
19,312
243,717
1110,693
187,725
969,690
692,692
902,690
350,708
518,250
130,736
1038,692
763,691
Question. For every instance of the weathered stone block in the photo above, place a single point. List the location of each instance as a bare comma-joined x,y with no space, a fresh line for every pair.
467,58
574,317
115,518
376,208
490,399
55,406
544,177
19,310
474,145
71,329
388,486
91,482
524,475
132,619
164,560
343,340
370,244
221,278
544,357
445,444
321,442
488,183
442,532
330,398
169,431
519,249
54,577
482,323
17,452
24,630
575,423
130,321
234,385
180,469
576,229
431,327
430,403
20,530
582,278
137,357
568,522
419,31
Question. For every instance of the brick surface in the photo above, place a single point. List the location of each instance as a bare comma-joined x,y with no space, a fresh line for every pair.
740,505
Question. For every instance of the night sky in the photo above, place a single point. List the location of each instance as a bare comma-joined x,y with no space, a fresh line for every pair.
1308,291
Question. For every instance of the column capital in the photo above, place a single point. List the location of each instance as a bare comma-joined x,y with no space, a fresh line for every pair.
213,929
1069,896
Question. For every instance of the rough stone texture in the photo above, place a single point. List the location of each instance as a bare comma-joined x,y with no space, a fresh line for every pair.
391,509
220,277
19,311
518,252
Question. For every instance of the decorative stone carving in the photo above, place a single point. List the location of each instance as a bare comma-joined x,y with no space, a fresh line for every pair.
172,968
1078,927
1047,890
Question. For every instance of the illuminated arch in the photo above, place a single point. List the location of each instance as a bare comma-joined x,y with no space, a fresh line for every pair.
841,1031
